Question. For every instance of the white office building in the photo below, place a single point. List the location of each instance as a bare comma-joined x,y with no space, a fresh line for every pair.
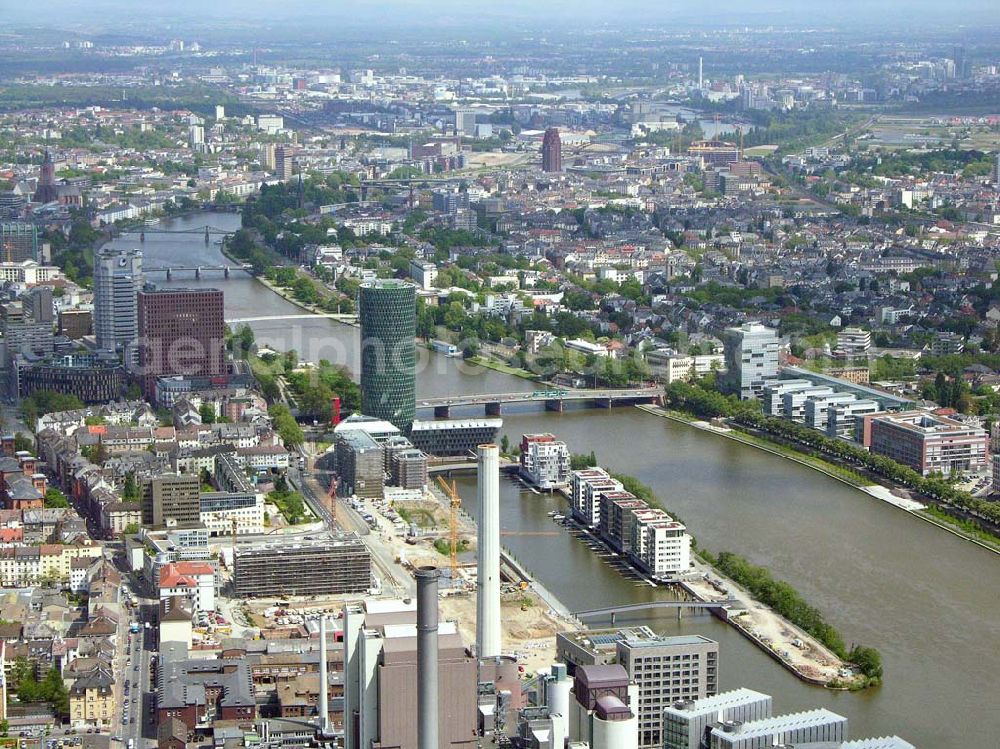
270,123
852,342
667,669
465,122
670,366
842,416
795,401
818,409
882,742
225,513
424,274
751,353
117,281
774,395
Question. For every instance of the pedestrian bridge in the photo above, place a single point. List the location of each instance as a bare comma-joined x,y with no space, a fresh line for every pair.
679,606
553,399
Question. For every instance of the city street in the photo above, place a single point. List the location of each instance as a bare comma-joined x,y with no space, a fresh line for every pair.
383,559
133,717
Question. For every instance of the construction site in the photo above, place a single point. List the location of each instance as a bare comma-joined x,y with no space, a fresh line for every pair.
407,530
437,531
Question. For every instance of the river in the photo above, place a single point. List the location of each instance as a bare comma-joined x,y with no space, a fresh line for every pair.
925,598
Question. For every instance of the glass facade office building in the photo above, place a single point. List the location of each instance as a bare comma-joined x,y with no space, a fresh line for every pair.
387,310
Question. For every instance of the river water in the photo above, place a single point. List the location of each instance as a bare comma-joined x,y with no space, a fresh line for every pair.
925,598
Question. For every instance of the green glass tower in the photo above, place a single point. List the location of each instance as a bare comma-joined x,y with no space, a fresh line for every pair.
388,313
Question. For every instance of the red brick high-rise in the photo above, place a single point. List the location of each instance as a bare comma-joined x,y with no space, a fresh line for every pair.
181,332
551,151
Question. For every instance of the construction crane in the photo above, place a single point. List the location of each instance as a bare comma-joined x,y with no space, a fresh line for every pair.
456,502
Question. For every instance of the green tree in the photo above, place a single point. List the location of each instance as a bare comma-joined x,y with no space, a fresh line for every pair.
289,431
207,413
96,454
130,491
454,315
55,498
21,670
42,402
23,443
868,660
55,692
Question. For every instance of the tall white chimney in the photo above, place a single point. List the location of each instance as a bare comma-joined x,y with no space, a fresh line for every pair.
324,683
488,599
701,85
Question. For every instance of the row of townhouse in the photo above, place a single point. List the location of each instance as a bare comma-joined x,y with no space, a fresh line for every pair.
651,539
27,565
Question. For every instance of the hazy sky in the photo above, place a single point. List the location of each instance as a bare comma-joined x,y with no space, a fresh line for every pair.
105,14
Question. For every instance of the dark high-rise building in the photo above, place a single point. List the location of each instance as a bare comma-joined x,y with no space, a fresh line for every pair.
48,190
283,163
181,332
388,310
93,378
961,62
170,497
39,304
551,151
18,242
76,323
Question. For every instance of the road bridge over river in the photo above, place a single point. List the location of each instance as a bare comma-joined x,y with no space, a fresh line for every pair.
554,399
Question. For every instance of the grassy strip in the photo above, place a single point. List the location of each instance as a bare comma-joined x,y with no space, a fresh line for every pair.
832,469
962,527
852,477
501,367
443,546
418,516
684,416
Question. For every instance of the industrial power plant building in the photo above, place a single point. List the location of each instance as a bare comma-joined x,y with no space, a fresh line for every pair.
663,669
320,564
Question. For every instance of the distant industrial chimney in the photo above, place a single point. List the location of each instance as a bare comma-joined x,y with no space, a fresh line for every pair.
427,658
701,68
488,598
324,683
